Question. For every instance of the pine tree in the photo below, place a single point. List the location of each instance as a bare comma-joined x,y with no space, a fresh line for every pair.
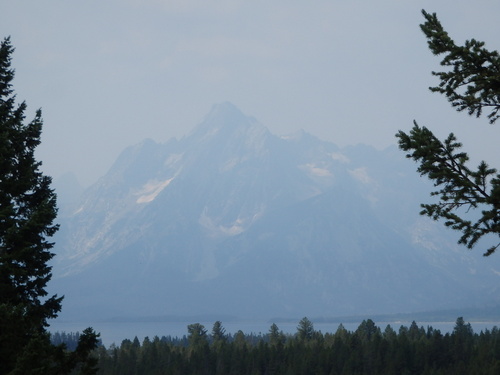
197,335
218,333
305,329
472,84
27,213
276,337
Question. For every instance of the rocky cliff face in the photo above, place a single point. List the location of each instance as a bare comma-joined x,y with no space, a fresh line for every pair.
232,219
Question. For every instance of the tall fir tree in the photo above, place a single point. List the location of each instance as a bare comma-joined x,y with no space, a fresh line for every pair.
469,199
305,329
27,213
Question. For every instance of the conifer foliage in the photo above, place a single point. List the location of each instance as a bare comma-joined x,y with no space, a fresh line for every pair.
472,83
27,213
366,351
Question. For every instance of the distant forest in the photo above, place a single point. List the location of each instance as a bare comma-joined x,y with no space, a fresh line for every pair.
367,350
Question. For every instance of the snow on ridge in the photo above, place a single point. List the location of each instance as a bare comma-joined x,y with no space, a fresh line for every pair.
361,175
151,189
313,169
78,210
173,159
217,230
340,157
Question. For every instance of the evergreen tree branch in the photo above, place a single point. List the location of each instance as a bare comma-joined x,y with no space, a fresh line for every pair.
459,186
473,84
27,213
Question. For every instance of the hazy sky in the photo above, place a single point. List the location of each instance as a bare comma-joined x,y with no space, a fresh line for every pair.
108,74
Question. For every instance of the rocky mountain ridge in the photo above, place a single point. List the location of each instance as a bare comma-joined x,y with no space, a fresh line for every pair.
232,219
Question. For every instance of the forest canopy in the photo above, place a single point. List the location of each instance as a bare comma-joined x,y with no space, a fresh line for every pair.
367,350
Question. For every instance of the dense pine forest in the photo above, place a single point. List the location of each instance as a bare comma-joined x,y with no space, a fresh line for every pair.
367,350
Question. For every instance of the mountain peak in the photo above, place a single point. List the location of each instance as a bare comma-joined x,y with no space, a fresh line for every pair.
224,109
227,113
224,117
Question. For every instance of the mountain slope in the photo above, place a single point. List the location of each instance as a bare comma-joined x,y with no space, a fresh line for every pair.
232,219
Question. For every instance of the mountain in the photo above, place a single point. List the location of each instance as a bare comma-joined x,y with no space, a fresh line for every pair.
69,192
233,220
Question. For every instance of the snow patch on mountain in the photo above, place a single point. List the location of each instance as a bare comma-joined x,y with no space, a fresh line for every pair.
361,175
218,230
173,159
340,157
151,189
78,210
229,164
315,170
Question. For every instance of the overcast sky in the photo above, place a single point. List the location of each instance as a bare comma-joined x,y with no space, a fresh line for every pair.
108,74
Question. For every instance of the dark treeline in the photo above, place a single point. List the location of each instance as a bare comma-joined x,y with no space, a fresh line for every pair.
70,340
367,350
